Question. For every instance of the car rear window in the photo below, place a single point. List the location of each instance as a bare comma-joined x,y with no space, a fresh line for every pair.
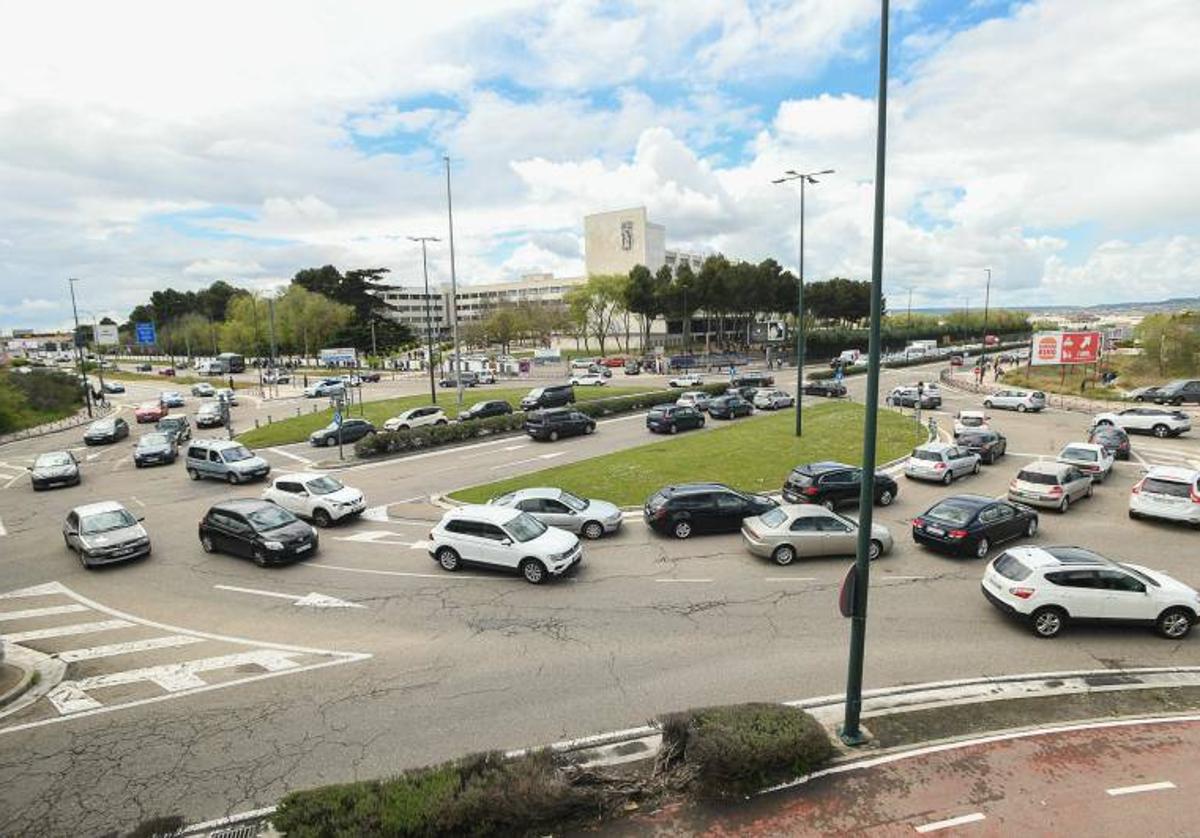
800,478
952,513
1038,477
1172,488
1010,567
932,456
1086,454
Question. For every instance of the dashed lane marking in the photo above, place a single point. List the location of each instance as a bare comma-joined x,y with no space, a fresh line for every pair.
961,820
1144,787
697,581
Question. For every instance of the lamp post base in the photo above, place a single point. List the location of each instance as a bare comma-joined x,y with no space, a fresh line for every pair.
856,740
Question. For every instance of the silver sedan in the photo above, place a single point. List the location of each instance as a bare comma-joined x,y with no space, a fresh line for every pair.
802,530
559,508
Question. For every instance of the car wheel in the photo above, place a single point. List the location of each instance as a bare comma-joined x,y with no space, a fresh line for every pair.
440,422
674,429
322,518
192,473
1031,528
207,545
1104,423
1047,622
232,478
590,429
988,404
976,469
1066,504
448,559
784,555
1134,516
1091,487
553,437
948,478
886,498
260,557
981,549
682,529
83,560
1021,408
875,550
1174,623
593,530
533,571
701,422
1162,431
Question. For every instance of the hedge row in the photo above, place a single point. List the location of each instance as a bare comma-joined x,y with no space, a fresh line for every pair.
432,436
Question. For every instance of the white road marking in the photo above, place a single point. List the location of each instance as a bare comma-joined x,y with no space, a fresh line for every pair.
310,600
789,579
292,456
370,536
1117,792
375,513
492,453
68,699
46,589
445,576
3,532
974,817
134,498
683,580
40,612
11,481
169,641
67,631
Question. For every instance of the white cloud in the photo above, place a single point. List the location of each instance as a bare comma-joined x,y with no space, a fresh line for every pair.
222,269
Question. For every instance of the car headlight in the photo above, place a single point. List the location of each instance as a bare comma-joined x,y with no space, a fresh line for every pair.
273,545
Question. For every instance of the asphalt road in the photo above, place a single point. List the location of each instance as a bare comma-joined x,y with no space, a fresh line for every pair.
204,690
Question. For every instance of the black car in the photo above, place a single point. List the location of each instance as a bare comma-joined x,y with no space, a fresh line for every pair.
556,395
177,425
1114,440
352,430
111,387
633,368
552,424
155,448
970,525
469,379
370,377
257,529
989,445
830,484
1178,392
54,468
672,418
745,391
1147,394
107,430
484,410
143,368
694,508
729,407
828,389
753,379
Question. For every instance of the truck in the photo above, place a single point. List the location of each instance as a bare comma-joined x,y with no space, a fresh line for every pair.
920,348
848,358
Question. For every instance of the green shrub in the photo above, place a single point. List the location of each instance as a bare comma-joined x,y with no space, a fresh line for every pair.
741,748
431,436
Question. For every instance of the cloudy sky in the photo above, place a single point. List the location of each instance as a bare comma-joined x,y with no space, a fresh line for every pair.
152,144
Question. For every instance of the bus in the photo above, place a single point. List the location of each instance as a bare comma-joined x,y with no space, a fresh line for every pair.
232,362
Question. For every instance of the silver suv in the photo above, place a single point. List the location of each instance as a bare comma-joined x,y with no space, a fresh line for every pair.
224,460
1018,400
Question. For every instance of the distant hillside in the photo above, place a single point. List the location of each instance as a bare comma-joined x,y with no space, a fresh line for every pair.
1173,304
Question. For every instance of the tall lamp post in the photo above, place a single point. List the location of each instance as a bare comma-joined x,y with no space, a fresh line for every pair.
87,393
453,289
428,319
850,731
804,178
987,299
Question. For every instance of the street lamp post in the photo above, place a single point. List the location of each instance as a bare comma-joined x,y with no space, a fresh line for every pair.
453,290
804,178
424,240
87,393
850,731
987,299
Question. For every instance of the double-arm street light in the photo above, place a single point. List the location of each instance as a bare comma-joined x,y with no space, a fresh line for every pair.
805,178
424,240
987,299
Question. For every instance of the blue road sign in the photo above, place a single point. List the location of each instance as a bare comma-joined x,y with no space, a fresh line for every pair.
144,332
337,417
838,375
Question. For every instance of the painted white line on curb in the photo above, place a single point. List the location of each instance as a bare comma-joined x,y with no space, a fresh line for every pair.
1117,792
40,612
974,817
290,455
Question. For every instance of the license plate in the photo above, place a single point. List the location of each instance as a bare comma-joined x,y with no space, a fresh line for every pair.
303,547
935,531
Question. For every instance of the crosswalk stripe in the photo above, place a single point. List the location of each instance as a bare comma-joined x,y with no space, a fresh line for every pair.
40,612
167,642
66,631
68,698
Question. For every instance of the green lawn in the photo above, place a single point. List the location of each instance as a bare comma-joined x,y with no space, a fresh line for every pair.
751,454
297,428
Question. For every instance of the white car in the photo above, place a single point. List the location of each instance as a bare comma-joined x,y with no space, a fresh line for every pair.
689,380
694,398
203,389
503,538
940,461
1160,421
773,399
415,418
350,380
591,379
971,420
1018,400
226,394
328,387
317,497
1168,492
1052,586
1091,459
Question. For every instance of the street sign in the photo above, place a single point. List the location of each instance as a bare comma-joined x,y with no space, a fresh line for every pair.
144,333
846,594
337,417
1066,348
106,334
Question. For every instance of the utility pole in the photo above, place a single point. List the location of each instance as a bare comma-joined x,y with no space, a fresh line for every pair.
804,178
850,731
424,240
87,390
987,299
374,350
453,290
910,307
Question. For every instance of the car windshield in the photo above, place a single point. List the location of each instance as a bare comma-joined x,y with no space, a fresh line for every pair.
115,519
525,527
773,517
53,459
150,406
270,517
209,408
952,513
932,456
1040,478
236,455
170,422
323,485
478,406
971,421
101,427
576,503
152,440
1086,454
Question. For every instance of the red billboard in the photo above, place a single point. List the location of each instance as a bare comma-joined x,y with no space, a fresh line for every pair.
1066,348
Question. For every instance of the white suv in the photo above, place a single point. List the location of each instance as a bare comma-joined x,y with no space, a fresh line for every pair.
1050,586
416,418
1160,421
504,538
317,497
1170,492
689,380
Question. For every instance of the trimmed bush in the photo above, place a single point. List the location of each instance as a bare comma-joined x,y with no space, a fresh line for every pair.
482,794
738,749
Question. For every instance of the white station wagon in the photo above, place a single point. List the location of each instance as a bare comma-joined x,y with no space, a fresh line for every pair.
1018,400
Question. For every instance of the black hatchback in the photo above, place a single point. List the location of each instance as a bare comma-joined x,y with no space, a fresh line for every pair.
552,424
970,525
831,484
694,508
828,389
484,410
729,407
989,445
257,529
1114,440
672,418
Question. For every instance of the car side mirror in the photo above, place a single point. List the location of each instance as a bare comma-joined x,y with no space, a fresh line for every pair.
71,531
507,542
141,518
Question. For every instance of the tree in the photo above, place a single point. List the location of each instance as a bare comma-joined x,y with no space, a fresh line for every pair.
241,330
305,321
360,289
641,298
595,305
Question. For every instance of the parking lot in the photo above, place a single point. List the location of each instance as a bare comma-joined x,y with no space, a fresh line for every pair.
401,663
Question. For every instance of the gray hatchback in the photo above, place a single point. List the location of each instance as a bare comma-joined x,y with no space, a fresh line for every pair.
105,532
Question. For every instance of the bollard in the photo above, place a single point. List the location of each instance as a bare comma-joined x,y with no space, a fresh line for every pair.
268,418
297,412
256,422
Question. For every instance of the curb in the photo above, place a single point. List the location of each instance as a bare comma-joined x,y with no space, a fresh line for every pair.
49,672
79,419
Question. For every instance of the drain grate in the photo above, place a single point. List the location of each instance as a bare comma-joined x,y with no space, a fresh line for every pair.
1110,680
246,830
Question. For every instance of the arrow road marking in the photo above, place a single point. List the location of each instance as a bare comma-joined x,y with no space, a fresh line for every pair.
310,600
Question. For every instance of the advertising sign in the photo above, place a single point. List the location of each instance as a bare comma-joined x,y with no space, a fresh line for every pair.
144,333
106,335
340,356
1065,348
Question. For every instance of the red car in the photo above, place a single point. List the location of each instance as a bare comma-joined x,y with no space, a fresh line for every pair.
613,362
167,371
149,412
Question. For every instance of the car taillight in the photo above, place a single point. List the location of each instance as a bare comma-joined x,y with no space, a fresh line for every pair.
957,533
810,490
939,466
1194,495
1056,490
918,522
1137,487
1021,593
